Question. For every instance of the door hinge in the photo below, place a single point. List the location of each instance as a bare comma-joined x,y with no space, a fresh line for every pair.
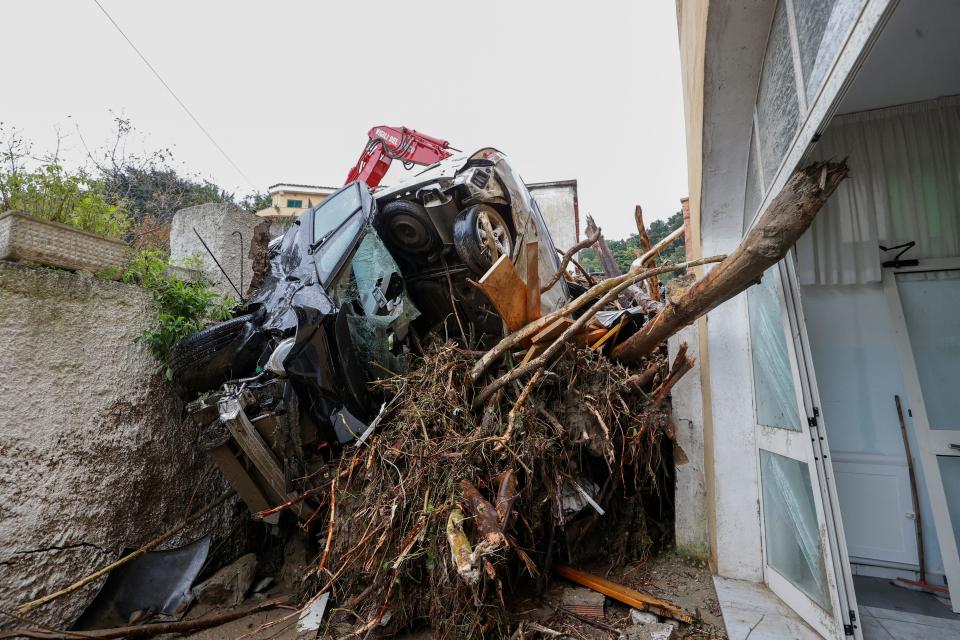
812,422
848,628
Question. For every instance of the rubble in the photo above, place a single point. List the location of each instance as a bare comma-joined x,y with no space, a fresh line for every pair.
230,584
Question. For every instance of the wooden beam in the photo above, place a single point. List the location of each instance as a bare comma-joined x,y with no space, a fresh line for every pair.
607,261
767,242
626,595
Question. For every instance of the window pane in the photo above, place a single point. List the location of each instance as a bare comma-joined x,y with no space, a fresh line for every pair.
294,204
754,189
822,28
791,529
333,211
950,475
778,113
331,252
931,308
773,386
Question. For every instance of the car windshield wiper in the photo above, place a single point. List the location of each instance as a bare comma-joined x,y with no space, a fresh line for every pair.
329,234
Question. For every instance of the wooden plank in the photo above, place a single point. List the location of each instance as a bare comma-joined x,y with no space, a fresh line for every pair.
253,446
626,595
588,336
533,352
552,330
531,252
505,289
609,335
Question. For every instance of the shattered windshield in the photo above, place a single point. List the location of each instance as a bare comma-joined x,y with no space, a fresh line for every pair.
334,210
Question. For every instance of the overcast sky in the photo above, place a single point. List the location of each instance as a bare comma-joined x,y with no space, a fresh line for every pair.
585,90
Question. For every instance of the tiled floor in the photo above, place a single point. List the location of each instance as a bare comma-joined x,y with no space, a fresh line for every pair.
751,611
888,624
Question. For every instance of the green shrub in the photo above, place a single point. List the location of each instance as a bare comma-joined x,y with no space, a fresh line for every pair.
182,307
52,193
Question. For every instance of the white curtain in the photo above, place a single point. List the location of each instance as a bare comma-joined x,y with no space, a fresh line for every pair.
904,185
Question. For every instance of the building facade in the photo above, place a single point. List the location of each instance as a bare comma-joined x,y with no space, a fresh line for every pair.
799,478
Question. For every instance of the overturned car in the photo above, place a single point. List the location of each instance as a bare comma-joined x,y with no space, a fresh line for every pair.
355,285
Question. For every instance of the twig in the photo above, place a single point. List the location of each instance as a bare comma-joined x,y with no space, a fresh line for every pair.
125,559
568,256
512,415
333,509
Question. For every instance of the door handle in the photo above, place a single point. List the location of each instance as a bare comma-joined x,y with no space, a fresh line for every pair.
954,446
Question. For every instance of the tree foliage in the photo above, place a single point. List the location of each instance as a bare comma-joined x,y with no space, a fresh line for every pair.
627,250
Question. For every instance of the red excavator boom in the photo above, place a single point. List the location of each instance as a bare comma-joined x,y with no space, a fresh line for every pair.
395,143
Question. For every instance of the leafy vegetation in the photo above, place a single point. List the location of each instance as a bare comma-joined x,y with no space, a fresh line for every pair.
50,192
182,307
627,250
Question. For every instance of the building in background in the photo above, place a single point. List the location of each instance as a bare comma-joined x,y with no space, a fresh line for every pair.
292,200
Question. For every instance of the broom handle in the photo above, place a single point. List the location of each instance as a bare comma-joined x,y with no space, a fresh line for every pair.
913,490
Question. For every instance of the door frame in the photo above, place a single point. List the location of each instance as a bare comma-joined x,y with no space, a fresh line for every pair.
929,441
809,445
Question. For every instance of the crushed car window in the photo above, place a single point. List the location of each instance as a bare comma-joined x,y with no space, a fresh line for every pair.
379,312
334,211
333,249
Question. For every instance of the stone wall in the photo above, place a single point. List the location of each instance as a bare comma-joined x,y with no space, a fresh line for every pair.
234,236
94,453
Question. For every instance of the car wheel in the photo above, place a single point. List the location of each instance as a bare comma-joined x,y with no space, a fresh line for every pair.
407,228
205,359
470,237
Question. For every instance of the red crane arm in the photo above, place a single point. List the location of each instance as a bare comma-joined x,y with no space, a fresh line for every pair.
387,144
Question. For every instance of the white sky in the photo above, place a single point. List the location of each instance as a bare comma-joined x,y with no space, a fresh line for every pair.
585,90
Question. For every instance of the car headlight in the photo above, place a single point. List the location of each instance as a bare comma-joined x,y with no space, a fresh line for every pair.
275,363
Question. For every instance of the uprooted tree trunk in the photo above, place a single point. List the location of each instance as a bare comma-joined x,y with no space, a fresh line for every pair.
777,229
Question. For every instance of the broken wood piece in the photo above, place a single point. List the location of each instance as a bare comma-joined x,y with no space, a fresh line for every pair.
552,330
653,283
533,352
626,595
485,514
568,257
532,263
460,550
607,261
589,336
657,248
506,290
609,335
770,238
579,267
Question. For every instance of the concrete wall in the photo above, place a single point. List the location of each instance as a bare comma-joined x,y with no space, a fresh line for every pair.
94,455
560,209
217,223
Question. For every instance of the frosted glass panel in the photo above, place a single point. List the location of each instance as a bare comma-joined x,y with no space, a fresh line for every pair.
773,389
791,529
778,112
822,28
931,306
950,474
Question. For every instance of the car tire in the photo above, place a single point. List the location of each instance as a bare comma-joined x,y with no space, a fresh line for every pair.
407,228
468,237
194,363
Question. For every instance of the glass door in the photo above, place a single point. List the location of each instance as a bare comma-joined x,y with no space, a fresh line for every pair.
804,562
925,301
